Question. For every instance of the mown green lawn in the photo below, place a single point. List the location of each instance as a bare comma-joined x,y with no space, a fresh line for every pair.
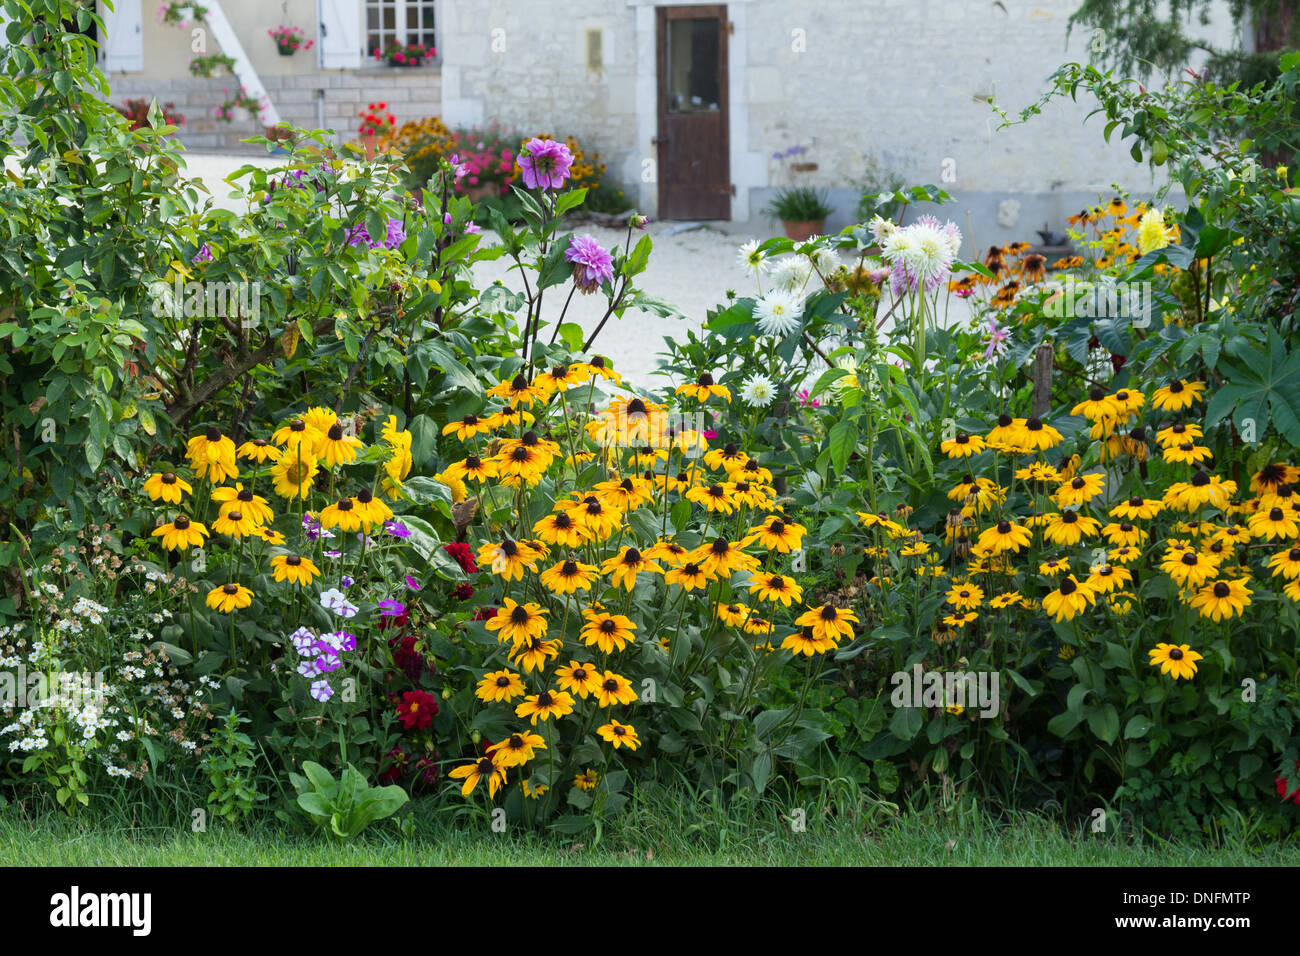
646,838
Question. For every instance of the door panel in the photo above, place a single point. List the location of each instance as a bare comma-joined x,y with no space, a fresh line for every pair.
694,148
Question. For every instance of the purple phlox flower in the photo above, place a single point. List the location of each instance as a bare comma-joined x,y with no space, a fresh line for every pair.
313,529
411,583
592,264
995,343
303,640
358,236
321,690
391,608
397,529
544,163
203,255
336,601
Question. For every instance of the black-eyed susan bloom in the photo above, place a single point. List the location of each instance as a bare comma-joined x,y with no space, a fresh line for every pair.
965,597
828,622
715,498
1039,436
1069,528
620,735
962,445
467,427
294,568
547,705
295,433
703,388
1137,508
776,587
1177,395
1069,599
608,632
533,654
212,456
180,533
517,749
733,615
560,378
1176,660
1187,567
1098,406
500,686
597,519
688,575
587,780
569,576
1120,533
258,450
371,511
229,597
518,623
669,552
1106,578
1273,524
1203,489
239,498
1273,475
1005,536
804,641
485,768
166,486
294,473
472,468
342,514
234,523
723,558
1286,563
777,533
614,689
509,558
580,679
623,567
1080,489
517,391
560,529
337,447
1220,600
1186,453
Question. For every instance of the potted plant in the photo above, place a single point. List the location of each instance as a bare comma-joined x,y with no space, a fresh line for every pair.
376,123
289,40
802,211
404,54
242,106
137,113
212,64
181,13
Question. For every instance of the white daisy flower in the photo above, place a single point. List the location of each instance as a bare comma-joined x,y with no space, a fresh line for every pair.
750,258
778,313
757,391
791,273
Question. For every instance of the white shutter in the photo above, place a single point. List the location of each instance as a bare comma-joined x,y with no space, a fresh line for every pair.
122,47
340,34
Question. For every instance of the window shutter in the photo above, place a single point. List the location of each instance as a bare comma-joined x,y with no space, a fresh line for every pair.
340,34
122,50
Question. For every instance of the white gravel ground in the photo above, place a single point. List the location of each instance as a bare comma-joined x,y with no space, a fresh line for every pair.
690,269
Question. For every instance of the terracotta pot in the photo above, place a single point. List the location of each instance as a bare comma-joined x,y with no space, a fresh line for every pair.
801,231
482,191
371,144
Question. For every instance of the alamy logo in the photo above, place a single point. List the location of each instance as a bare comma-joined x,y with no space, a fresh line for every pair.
1094,300
77,909
210,299
979,690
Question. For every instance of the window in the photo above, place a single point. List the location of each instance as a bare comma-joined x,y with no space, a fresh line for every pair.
400,23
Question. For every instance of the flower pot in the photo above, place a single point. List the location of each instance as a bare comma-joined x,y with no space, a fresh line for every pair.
371,145
286,50
482,191
239,114
802,231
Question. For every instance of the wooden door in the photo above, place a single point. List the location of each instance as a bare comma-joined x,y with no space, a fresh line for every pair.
693,142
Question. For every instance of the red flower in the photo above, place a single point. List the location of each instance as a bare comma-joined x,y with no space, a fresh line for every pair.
1285,786
463,592
396,759
483,613
426,770
463,555
417,709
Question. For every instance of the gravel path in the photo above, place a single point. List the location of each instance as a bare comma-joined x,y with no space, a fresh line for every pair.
692,269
